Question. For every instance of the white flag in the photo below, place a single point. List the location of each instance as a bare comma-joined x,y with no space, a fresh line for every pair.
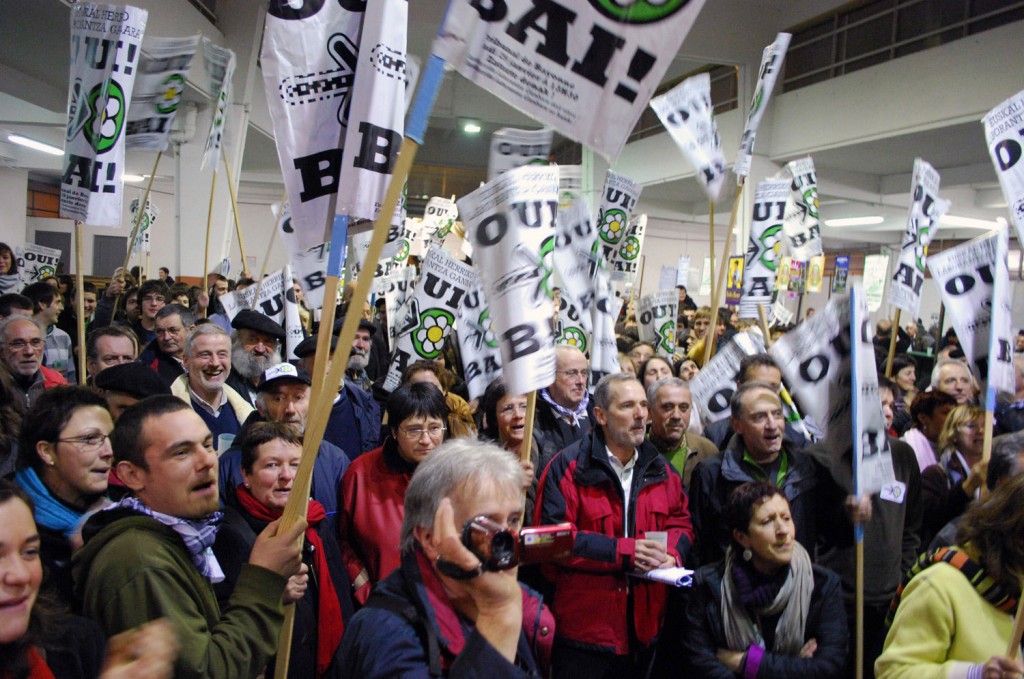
105,53
149,216
926,208
800,225
220,67
1002,135
511,148
762,261
36,262
396,284
715,384
376,120
604,352
481,355
876,273
1001,371
575,324
771,66
687,114
656,321
308,60
618,198
163,72
585,67
511,223
439,217
276,302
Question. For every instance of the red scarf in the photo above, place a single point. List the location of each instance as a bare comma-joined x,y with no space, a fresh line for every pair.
38,669
330,626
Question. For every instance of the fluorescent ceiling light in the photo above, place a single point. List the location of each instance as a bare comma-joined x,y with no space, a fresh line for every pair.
968,222
133,177
33,144
471,127
854,221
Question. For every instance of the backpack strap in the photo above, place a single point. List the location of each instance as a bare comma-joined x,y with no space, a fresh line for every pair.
417,618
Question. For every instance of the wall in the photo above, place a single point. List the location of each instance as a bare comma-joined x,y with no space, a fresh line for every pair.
13,205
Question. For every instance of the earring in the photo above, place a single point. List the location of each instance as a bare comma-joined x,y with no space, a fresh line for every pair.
747,554
247,485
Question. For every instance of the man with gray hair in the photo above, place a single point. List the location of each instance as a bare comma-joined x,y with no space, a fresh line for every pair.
627,508
953,377
255,348
21,350
442,611
671,406
564,413
165,354
207,361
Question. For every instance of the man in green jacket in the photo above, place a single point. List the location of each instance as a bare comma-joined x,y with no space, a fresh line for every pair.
149,556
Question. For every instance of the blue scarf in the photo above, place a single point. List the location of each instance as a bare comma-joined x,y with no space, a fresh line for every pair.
50,512
573,415
198,535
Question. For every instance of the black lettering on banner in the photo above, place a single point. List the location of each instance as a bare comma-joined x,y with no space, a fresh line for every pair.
486,235
521,340
1003,355
472,371
815,368
437,288
292,11
962,283
906,275
320,172
720,401
378,148
490,10
532,215
1007,152
551,21
759,287
763,211
491,365
594,64
78,172
315,280
400,360
273,306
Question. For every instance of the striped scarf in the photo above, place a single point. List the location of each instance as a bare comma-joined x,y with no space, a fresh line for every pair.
573,415
988,589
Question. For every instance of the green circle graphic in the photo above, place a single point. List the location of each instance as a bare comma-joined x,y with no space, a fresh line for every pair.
638,11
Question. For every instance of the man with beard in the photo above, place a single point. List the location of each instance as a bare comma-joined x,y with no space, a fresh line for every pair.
149,556
204,385
628,514
358,361
165,354
671,406
255,348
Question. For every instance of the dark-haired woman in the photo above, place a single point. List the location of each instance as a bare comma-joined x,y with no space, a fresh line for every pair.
270,458
955,615
373,488
765,611
505,423
65,459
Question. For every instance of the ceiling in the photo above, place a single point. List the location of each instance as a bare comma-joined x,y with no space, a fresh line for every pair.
856,179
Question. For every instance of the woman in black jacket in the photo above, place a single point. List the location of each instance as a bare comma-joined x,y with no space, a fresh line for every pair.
270,457
765,611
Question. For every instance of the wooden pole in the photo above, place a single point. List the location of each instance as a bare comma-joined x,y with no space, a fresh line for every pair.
206,250
234,210
711,240
263,268
762,317
1018,628
138,220
526,446
895,332
719,288
859,602
80,300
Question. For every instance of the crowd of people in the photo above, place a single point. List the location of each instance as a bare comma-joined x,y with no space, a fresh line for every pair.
141,532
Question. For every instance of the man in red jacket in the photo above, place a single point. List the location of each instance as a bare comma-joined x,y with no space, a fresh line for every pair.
629,514
21,350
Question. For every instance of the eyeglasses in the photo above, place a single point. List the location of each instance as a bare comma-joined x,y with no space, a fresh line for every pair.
89,443
514,408
416,433
19,344
573,374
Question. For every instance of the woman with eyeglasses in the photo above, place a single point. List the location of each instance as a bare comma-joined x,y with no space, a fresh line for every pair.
949,486
505,423
373,489
65,459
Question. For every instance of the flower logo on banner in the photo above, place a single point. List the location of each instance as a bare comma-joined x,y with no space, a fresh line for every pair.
104,126
638,11
403,252
574,337
667,337
770,245
630,249
487,324
612,225
428,338
545,265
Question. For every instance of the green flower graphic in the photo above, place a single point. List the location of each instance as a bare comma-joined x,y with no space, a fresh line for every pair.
490,339
428,337
612,225
630,249
574,337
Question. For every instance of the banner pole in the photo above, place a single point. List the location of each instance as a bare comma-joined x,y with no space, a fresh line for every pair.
762,317
234,209
138,221
1018,628
526,446
206,250
719,287
711,240
858,528
895,332
80,301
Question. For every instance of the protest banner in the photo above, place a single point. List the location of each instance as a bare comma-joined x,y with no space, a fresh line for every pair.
771,65
922,220
511,148
1005,146
36,262
1001,373
396,285
841,273
800,224
715,384
876,273
575,324
783,274
577,256
585,68
618,198
161,79
276,301
511,223
965,276
705,278
624,261
815,273
688,115
220,67
478,344
734,283
439,217
149,216
308,59
376,117
570,184
797,277
105,52
656,321
604,352
667,277
430,312
763,249
683,271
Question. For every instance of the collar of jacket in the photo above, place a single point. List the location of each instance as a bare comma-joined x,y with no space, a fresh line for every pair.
594,469
733,469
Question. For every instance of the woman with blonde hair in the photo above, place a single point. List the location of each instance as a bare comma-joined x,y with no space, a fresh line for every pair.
948,487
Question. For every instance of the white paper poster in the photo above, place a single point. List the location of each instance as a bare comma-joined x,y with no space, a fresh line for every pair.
771,66
1001,371
439,217
705,278
604,353
1006,148
926,208
105,53
688,115
762,260
874,458
141,243
876,273
220,67
163,72
511,223
715,384
656,321
800,224
478,345
276,301
683,272
511,148
585,67
36,262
